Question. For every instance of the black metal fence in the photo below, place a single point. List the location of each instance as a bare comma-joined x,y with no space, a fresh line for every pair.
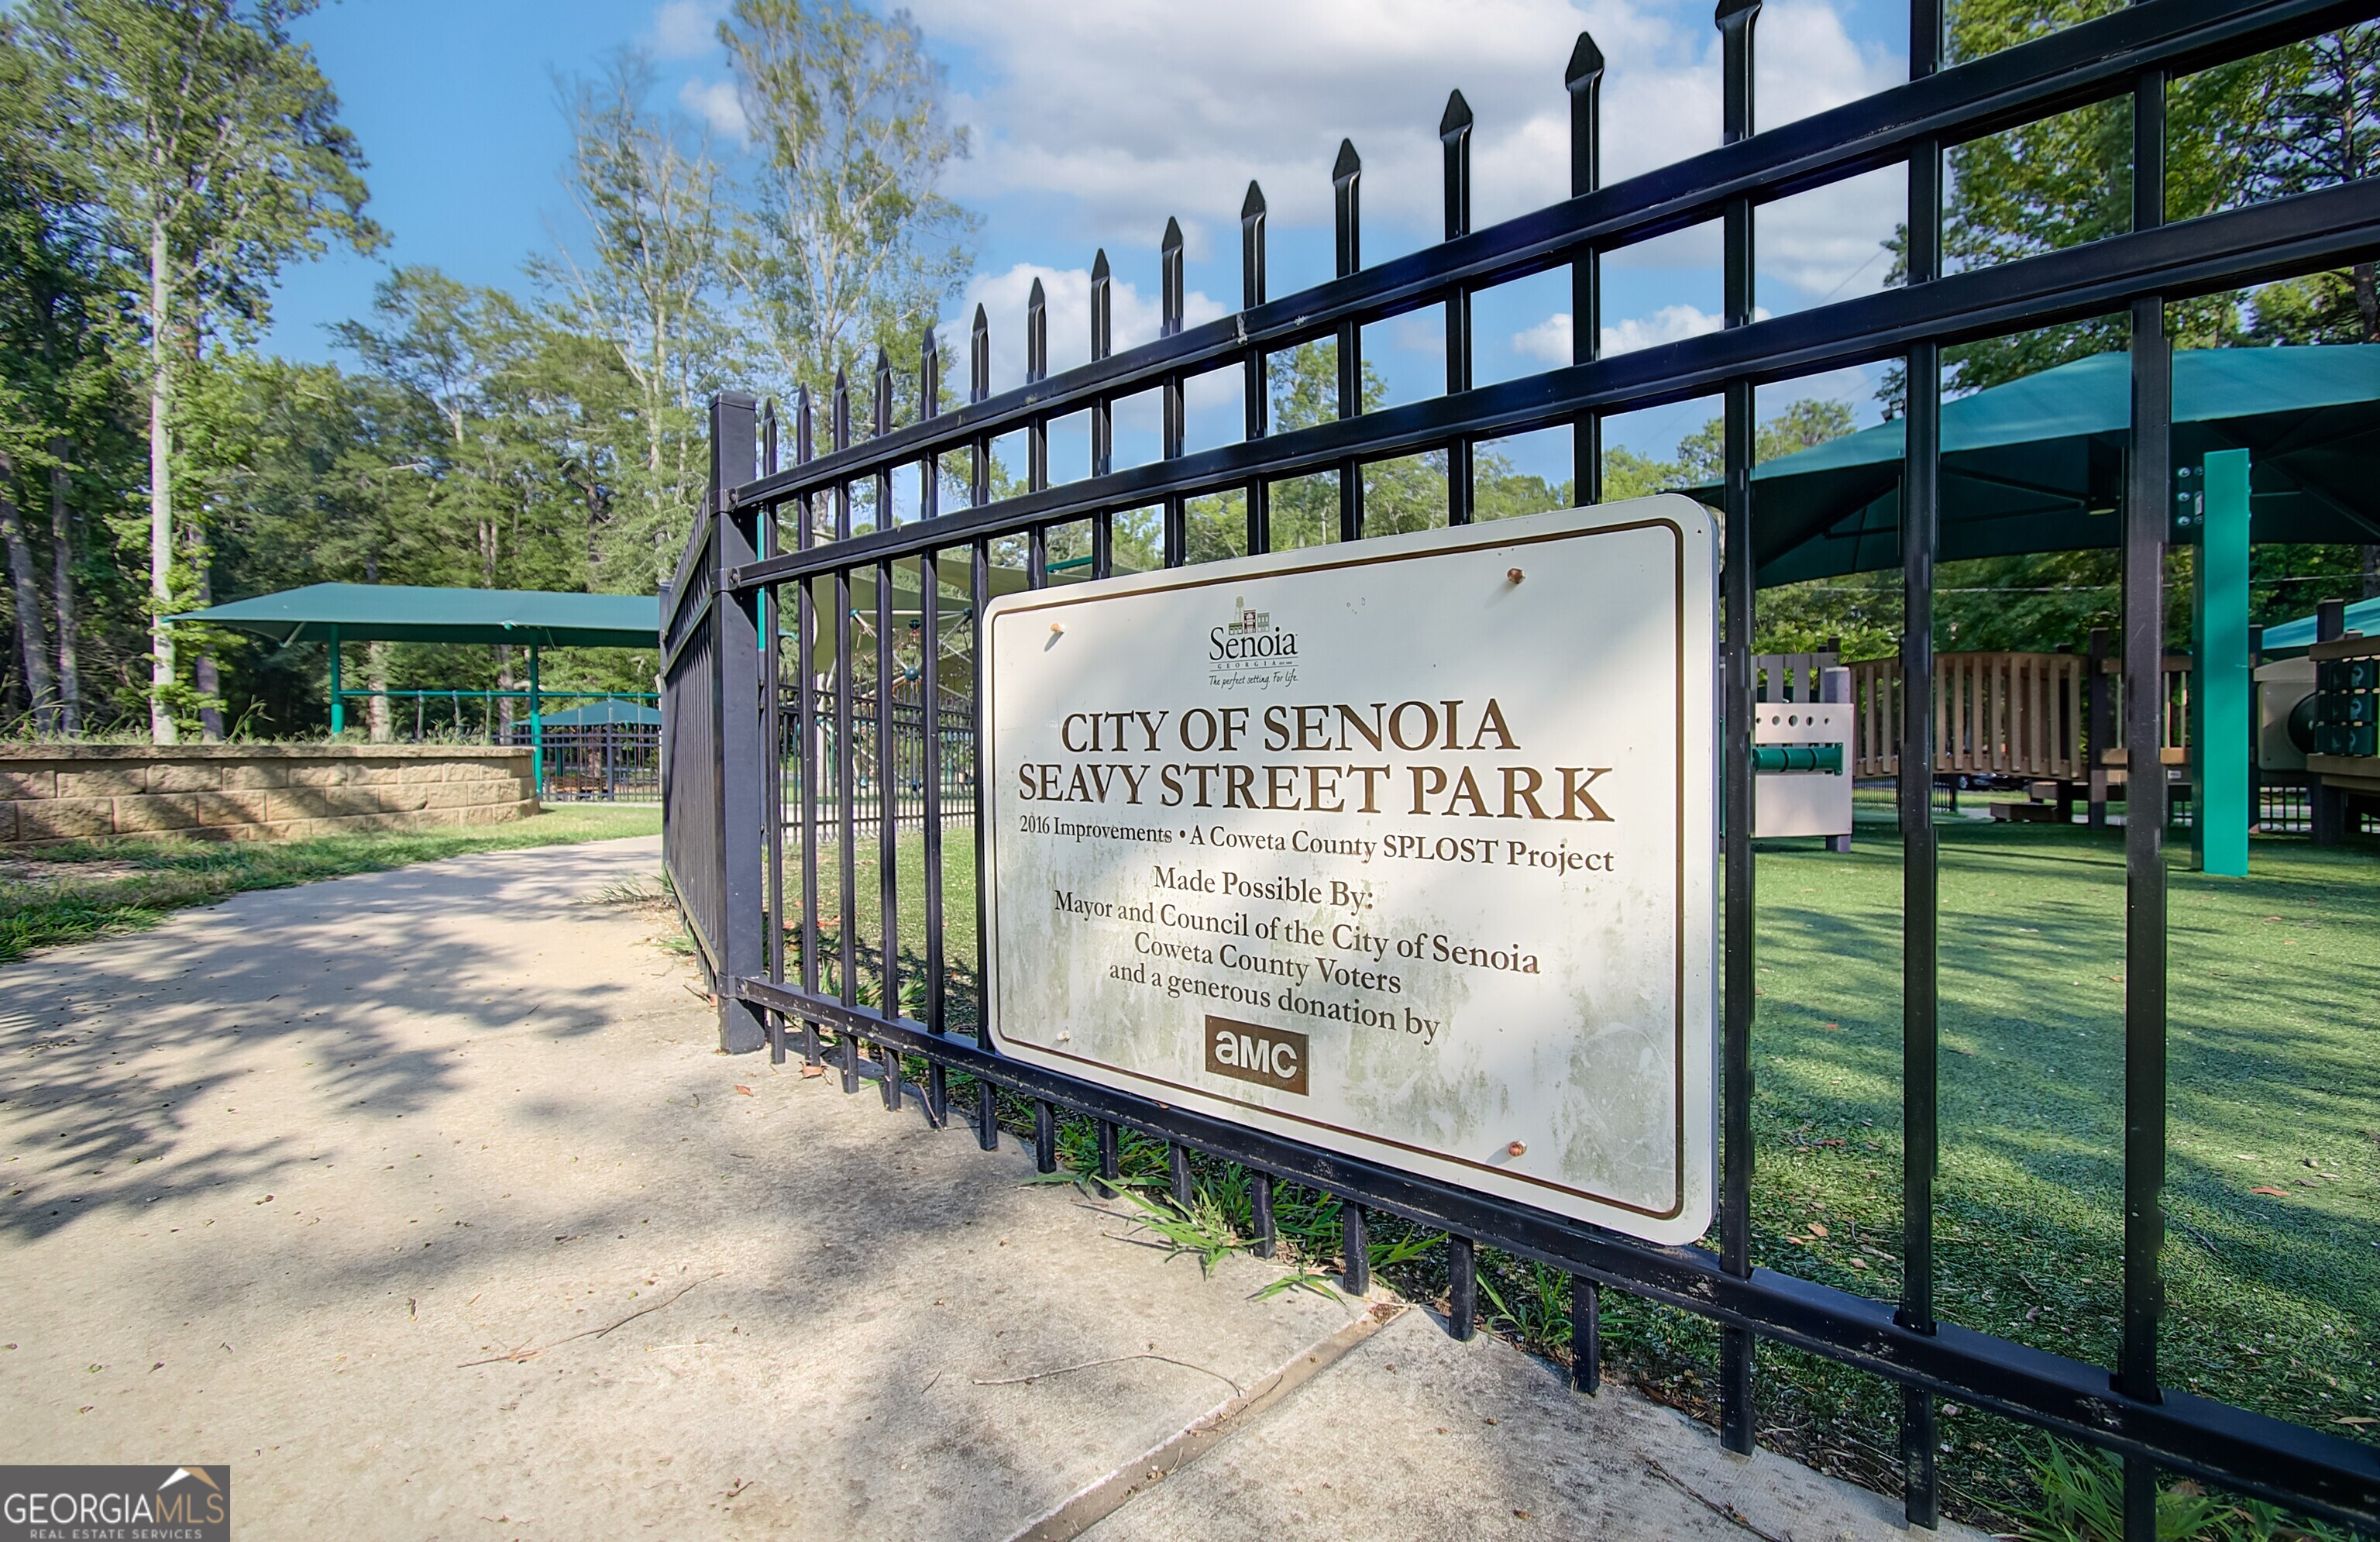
600,762
882,777
722,776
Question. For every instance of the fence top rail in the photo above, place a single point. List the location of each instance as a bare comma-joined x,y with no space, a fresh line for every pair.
2089,60
2289,234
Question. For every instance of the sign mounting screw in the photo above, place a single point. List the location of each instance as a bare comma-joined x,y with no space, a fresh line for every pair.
1514,574
1518,1147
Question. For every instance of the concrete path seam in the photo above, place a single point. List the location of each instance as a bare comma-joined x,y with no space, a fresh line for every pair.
1098,1499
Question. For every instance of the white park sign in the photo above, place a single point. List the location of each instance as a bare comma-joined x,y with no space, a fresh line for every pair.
1404,849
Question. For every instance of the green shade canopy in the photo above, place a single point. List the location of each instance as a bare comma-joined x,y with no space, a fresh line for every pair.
2290,636
401,612
2037,465
596,714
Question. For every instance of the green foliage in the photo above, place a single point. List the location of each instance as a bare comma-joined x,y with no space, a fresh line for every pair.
847,246
634,334
162,163
1199,1231
2286,121
2082,1500
211,155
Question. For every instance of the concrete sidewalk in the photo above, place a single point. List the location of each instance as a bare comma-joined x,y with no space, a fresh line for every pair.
423,1199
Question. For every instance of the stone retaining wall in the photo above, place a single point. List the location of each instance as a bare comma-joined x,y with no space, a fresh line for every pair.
52,793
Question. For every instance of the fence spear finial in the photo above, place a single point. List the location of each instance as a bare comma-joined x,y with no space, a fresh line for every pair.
1346,175
1103,307
1037,332
979,356
1170,277
1252,247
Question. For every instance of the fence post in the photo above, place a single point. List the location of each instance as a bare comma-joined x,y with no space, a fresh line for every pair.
2221,810
2100,728
742,922
2326,805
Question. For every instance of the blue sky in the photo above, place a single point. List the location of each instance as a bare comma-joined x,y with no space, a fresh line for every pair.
1091,123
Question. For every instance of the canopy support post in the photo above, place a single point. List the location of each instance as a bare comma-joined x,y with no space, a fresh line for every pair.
2222,812
536,724
338,702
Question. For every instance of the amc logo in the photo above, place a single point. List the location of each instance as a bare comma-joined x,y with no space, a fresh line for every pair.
1269,1057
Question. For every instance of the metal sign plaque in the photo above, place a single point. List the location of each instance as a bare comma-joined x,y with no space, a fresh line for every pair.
1404,849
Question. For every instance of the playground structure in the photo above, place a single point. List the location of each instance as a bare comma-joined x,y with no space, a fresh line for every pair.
1801,737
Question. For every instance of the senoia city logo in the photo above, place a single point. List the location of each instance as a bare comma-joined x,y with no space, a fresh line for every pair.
1250,637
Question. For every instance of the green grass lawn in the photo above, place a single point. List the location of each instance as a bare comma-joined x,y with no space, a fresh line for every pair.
72,892
2273,1298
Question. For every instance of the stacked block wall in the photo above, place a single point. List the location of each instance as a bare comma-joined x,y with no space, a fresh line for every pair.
54,792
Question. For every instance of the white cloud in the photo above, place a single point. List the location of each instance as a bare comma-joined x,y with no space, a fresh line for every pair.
716,103
1132,112
1067,292
685,28
1551,339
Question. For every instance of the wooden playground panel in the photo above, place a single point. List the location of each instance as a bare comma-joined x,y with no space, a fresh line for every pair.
2019,715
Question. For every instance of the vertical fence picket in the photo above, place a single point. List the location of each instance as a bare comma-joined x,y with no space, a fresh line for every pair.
1170,299
1355,1247
845,778
1455,144
1586,1335
1103,412
888,757
929,677
1736,1347
1461,1289
1256,391
1920,1038
2147,493
1583,80
1347,226
987,1104
806,667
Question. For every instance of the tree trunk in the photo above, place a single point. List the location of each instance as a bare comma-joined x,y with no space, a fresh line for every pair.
33,646
2367,299
161,497
376,676
376,666
203,672
63,595
2372,571
503,703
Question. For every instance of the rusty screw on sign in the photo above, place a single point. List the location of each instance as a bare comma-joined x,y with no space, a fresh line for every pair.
1518,1147
1513,575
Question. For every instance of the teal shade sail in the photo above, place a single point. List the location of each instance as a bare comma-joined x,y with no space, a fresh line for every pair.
403,613
2289,636
2037,465
611,709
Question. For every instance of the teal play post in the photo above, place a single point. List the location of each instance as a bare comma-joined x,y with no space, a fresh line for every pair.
338,702
537,722
2221,684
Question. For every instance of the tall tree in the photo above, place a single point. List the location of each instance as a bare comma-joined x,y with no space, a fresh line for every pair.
215,150
849,246
646,284
61,392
